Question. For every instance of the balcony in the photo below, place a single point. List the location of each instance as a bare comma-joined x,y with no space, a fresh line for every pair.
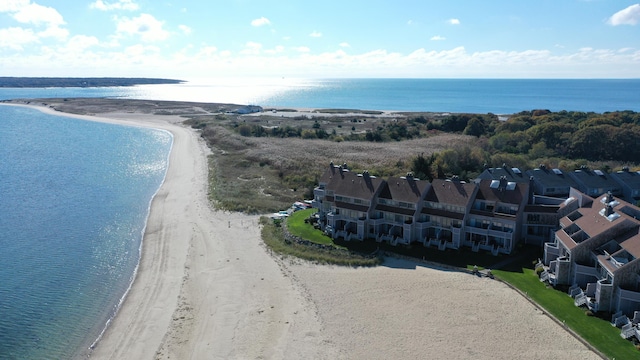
551,252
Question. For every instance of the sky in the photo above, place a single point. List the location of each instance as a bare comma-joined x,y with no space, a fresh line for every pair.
193,39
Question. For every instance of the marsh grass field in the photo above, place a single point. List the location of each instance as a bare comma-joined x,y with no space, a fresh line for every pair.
264,174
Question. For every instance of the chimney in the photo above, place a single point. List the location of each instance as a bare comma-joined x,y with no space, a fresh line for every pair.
531,190
503,183
609,197
608,210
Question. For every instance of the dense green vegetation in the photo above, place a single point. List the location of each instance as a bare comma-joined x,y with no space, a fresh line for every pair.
565,139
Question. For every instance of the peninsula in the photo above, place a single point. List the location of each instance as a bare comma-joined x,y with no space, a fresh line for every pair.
207,287
41,82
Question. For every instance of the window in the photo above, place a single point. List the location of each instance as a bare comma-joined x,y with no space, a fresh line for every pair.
533,218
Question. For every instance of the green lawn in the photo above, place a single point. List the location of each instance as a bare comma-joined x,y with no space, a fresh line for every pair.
297,226
596,331
273,237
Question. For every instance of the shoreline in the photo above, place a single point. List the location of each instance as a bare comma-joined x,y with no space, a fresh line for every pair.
207,288
195,292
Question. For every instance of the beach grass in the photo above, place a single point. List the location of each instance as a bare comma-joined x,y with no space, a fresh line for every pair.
596,331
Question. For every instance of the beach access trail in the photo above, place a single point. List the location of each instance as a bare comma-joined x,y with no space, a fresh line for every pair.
207,288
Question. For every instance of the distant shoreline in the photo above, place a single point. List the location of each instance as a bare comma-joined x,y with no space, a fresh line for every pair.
45,82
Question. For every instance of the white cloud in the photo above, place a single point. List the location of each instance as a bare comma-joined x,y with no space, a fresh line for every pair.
185,29
437,38
454,21
345,44
80,43
277,50
316,34
38,15
118,5
260,22
207,51
146,26
13,5
627,16
251,48
55,32
303,49
15,37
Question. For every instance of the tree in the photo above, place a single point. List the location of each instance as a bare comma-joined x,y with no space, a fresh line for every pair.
421,166
475,127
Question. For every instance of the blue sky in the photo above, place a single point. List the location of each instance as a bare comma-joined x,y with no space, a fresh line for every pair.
191,39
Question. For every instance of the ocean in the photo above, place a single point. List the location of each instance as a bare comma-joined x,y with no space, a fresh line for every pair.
74,198
498,96
75,195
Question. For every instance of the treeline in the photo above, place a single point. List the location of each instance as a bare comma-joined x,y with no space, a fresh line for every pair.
38,82
570,134
563,139
543,134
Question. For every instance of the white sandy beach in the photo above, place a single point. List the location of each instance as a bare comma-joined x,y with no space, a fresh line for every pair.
208,289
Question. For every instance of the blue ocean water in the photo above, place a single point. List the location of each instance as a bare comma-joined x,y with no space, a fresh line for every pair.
498,96
74,195
74,198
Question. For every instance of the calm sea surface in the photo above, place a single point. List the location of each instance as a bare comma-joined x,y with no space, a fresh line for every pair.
497,96
75,195
74,198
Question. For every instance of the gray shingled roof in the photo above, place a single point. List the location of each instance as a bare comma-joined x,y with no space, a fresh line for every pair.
549,178
354,185
450,192
591,179
407,189
515,196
